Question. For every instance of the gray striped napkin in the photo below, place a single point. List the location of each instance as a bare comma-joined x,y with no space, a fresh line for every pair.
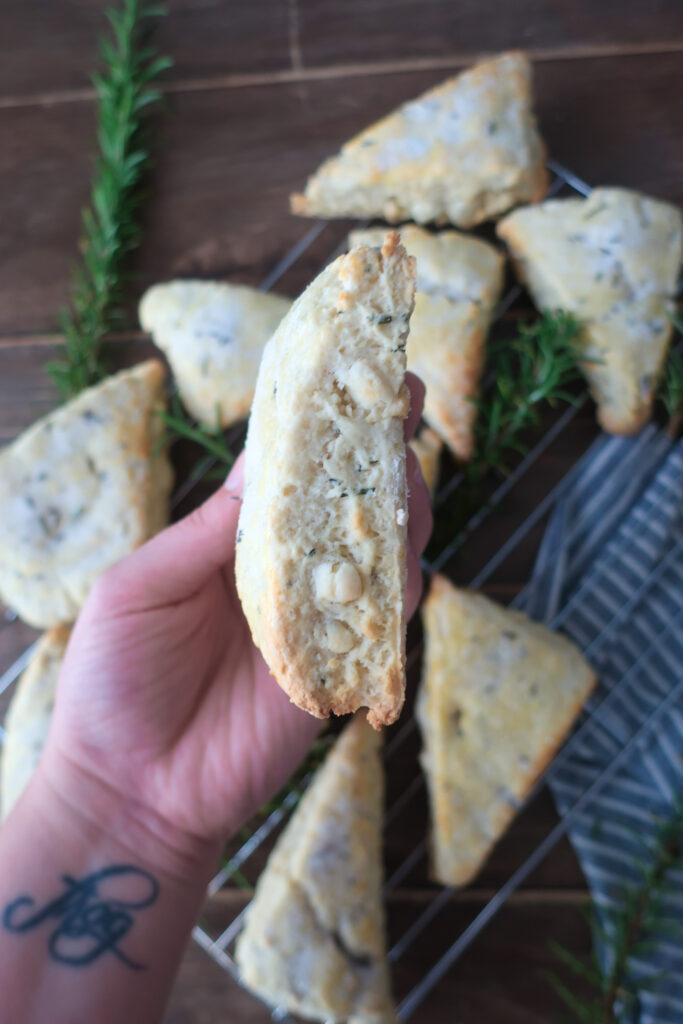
610,575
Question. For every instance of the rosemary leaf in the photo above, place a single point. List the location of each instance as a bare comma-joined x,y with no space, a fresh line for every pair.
636,927
671,388
110,224
180,427
533,368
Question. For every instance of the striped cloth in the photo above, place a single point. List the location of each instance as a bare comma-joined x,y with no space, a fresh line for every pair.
610,575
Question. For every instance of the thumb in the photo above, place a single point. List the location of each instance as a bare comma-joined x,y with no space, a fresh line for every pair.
178,561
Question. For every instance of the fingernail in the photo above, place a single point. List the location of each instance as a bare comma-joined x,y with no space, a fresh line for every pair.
235,480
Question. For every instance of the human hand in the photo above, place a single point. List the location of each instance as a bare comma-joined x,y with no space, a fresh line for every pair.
164,703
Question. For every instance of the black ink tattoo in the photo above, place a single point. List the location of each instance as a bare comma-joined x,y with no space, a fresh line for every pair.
89,924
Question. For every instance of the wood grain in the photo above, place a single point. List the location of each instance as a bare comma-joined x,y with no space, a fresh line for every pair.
231,157
357,31
47,50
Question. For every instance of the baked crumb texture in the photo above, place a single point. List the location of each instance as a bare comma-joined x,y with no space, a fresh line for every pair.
460,154
29,714
321,542
314,940
81,488
498,695
213,335
459,281
613,261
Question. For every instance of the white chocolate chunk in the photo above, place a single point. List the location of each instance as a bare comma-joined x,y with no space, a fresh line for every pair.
337,582
340,638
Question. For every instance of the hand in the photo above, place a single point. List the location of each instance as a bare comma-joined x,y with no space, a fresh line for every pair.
163,700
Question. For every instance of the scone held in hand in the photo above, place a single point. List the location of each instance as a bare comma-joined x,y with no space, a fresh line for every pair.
321,566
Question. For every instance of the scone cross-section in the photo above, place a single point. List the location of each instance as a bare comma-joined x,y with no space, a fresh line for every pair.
321,563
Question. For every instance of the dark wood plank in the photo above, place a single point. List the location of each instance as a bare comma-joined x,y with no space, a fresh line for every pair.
227,161
499,979
48,47
386,30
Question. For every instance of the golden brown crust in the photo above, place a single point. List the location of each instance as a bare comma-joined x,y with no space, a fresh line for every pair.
29,715
213,335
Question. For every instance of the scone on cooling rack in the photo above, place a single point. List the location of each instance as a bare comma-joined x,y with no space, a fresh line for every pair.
459,281
213,335
499,693
613,261
314,942
29,715
81,488
428,446
461,153
321,563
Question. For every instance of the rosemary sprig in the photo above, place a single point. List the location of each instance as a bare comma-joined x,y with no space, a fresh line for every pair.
535,367
632,933
179,426
110,223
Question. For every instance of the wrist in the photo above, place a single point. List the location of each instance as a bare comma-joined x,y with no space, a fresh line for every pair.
82,811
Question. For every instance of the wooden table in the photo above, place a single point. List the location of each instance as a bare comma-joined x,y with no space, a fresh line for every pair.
259,94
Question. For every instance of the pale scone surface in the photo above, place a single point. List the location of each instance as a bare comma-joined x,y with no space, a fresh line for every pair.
81,488
498,695
612,260
213,335
461,153
427,446
459,281
314,938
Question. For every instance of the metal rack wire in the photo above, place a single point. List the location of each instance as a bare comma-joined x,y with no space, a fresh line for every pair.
595,718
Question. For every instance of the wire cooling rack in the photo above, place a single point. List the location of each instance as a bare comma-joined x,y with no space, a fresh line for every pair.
402,738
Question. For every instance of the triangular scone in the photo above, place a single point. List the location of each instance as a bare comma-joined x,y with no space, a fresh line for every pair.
213,335
314,940
322,531
80,489
427,446
459,154
459,280
28,718
611,259
498,695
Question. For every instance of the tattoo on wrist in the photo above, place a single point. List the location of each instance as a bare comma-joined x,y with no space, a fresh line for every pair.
93,914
